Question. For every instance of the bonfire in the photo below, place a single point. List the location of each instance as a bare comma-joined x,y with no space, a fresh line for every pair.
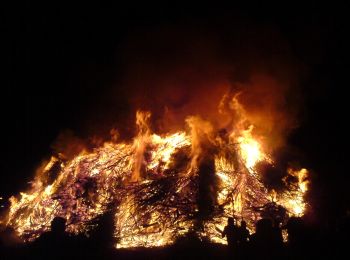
162,186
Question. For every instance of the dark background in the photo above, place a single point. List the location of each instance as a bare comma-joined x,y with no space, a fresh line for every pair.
60,63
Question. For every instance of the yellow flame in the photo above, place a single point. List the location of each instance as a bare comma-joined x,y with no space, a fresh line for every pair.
293,198
116,165
238,203
251,150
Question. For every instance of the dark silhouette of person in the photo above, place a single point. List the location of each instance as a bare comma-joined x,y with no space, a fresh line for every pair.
243,239
263,241
231,233
243,233
54,243
297,237
101,241
277,238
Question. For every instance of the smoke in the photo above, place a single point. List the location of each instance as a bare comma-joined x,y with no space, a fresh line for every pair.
67,145
263,103
232,77
180,71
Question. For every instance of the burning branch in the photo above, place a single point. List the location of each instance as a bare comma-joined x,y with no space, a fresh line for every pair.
160,187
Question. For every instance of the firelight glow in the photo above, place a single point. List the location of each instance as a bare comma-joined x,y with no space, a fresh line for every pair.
151,185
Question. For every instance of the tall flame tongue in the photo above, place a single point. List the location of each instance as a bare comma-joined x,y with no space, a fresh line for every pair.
160,186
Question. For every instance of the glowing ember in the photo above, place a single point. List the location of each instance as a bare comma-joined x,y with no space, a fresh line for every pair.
156,186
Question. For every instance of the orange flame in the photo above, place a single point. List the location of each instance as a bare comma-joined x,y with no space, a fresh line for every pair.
128,174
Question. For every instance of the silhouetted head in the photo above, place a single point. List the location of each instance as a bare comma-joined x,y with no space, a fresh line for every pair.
263,226
231,221
294,225
243,224
58,225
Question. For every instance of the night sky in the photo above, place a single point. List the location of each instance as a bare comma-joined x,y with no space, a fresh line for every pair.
65,66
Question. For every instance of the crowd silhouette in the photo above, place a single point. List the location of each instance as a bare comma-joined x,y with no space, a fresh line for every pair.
266,243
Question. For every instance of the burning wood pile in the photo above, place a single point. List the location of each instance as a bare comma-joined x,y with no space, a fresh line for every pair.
160,186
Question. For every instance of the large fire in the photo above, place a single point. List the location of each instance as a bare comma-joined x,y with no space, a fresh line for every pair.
160,186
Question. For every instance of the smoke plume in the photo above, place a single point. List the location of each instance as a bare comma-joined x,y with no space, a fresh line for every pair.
182,71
